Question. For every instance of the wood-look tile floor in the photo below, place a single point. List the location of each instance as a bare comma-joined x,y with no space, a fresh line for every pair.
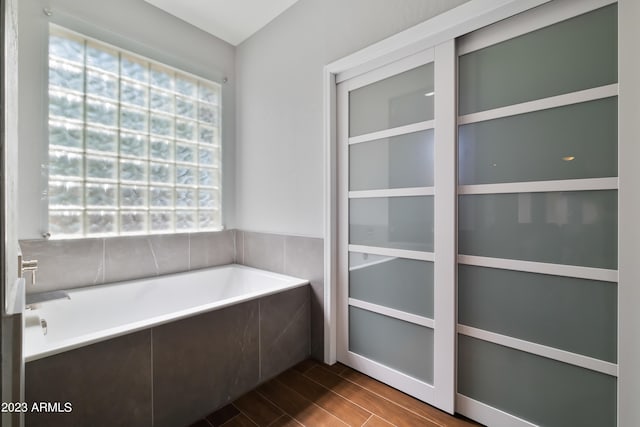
316,395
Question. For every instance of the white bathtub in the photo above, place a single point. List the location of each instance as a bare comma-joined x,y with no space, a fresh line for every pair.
98,313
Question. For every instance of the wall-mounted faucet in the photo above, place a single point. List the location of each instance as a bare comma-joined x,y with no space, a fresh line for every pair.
26,266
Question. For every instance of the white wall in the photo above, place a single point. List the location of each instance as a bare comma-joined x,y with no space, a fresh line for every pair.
131,24
279,175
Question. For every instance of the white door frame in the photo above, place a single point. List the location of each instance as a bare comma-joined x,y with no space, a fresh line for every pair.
459,21
11,324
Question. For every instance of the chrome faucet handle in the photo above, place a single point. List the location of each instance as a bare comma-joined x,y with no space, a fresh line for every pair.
27,265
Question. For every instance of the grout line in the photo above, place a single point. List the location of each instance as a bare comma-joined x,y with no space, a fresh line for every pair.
272,422
385,398
343,397
284,255
235,247
278,406
367,420
189,253
311,401
104,261
237,415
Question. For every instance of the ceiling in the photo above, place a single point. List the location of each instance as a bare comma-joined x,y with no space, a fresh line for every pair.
231,20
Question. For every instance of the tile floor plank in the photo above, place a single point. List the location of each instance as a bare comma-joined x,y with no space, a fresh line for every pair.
257,409
304,366
222,415
403,399
303,410
239,421
312,394
348,412
376,421
379,406
285,421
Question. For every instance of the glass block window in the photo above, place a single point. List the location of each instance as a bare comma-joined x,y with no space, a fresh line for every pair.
134,145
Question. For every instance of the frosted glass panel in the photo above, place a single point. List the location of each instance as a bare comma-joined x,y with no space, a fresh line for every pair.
403,284
65,222
161,101
65,135
65,105
101,168
102,58
396,101
161,149
134,68
393,222
161,77
539,390
102,140
65,164
66,76
133,196
65,194
161,221
161,197
65,47
575,315
573,55
186,220
401,345
572,142
133,222
402,161
576,228
101,195
102,113
134,94
101,84
101,222
133,119
133,145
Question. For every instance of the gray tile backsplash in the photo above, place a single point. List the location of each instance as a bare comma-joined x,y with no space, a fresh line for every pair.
65,264
128,258
261,250
207,249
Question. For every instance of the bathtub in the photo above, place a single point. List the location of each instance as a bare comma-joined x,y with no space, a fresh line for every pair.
98,313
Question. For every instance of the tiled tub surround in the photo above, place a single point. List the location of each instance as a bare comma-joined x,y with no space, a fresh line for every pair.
175,373
68,264
293,255
97,313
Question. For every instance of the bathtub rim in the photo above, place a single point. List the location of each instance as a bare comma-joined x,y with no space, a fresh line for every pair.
43,350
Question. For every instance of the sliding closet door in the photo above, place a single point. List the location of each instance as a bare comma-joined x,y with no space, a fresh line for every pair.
537,218
388,135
